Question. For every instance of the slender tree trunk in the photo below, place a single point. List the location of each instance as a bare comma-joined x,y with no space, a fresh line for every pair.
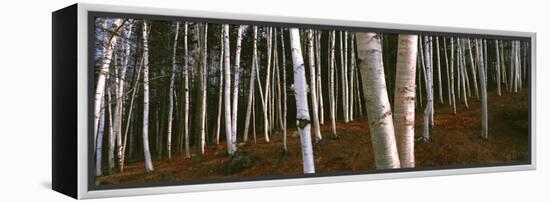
236,73
352,78
438,63
203,61
251,83
342,79
147,154
447,72
313,85
227,88
376,100
473,68
130,110
430,57
463,73
332,102
284,90
109,45
120,95
302,109
186,88
405,95
497,67
481,71
221,84
345,100
267,82
359,100
319,86
452,75
99,142
112,135
429,91
422,71
171,95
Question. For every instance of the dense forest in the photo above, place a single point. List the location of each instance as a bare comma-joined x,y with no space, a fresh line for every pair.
179,100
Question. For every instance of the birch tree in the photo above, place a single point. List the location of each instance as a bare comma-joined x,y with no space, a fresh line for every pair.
130,110
171,95
405,96
99,141
120,95
108,48
227,88
429,90
186,89
284,89
236,90
319,83
221,89
147,154
313,86
473,67
202,72
331,93
381,128
302,109
251,83
453,98
266,88
352,78
438,63
482,81
344,61
497,52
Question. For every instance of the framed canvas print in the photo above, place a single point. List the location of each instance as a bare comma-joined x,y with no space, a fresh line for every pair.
150,101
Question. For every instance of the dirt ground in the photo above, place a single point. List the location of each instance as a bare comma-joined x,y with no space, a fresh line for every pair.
455,142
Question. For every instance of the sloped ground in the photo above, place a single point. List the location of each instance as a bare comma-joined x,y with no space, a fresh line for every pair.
455,142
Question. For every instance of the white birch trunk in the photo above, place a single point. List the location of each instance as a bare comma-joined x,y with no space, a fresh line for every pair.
453,98
120,97
376,100
438,63
221,84
112,135
171,95
99,142
186,88
302,109
147,154
236,72
251,83
103,72
319,83
345,89
204,49
447,71
313,86
405,95
332,102
266,88
343,79
284,90
463,73
481,71
227,89
497,52
352,78
473,68
429,91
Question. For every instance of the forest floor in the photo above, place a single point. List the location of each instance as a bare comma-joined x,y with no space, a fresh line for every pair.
454,142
